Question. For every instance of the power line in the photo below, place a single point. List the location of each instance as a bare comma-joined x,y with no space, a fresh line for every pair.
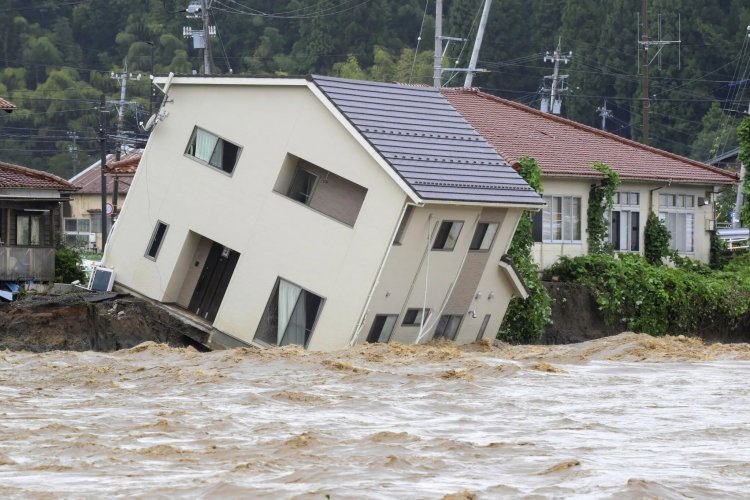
323,12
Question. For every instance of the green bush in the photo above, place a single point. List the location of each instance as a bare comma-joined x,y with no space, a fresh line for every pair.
68,266
525,320
657,299
656,238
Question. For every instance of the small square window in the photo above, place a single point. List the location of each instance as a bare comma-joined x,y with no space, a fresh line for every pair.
213,150
303,186
447,235
414,317
483,236
156,239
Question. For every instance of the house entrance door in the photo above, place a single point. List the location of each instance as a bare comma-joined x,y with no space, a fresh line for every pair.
213,282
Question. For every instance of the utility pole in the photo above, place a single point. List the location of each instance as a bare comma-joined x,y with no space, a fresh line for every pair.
103,164
644,75
558,81
151,88
74,150
437,75
645,42
123,78
604,113
469,80
200,9
208,60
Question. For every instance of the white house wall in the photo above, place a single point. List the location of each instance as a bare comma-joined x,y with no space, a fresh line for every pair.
276,236
547,253
413,266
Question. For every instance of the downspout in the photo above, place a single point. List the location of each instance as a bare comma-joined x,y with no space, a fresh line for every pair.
651,195
363,316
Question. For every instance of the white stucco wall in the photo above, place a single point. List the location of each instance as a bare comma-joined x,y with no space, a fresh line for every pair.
546,254
275,236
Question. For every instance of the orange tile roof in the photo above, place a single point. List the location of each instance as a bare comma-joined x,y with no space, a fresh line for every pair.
89,181
127,165
6,105
18,177
567,149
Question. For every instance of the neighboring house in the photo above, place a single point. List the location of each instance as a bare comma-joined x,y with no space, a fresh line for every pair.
681,191
320,212
83,223
30,210
6,106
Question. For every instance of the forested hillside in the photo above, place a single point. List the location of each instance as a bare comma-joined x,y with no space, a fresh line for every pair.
56,57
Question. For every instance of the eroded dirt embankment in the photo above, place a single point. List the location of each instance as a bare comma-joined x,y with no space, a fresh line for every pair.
68,322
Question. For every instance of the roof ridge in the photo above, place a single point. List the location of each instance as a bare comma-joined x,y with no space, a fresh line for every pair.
586,128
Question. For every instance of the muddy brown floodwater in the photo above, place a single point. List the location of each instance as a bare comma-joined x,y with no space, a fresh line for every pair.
623,417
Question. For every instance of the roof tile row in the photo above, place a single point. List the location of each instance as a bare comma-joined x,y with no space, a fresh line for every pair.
567,149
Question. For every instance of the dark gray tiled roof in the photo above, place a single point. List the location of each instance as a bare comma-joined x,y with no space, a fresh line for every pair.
427,142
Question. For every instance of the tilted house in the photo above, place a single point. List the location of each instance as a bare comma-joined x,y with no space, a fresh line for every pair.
30,214
320,212
681,191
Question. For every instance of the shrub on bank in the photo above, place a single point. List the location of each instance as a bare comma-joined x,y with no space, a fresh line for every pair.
68,266
661,300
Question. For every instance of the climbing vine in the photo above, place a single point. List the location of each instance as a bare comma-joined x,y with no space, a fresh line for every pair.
525,320
743,134
600,200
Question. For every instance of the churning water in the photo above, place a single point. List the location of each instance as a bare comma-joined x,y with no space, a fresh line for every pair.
624,417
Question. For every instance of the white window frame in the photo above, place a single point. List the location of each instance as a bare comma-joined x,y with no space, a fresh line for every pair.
626,203
677,212
567,221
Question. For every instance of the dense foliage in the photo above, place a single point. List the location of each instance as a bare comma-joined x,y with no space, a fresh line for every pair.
743,134
56,58
656,238
600,201
68,266
661,300
525,320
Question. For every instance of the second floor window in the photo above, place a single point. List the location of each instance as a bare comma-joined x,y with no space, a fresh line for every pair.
213,150
447,235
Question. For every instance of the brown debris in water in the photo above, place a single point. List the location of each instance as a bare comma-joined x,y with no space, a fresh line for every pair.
342,365
568,464
463,495
301,440
457,374
546,367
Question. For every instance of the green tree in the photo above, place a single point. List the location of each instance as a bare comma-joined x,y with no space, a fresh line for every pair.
656,238
718,131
